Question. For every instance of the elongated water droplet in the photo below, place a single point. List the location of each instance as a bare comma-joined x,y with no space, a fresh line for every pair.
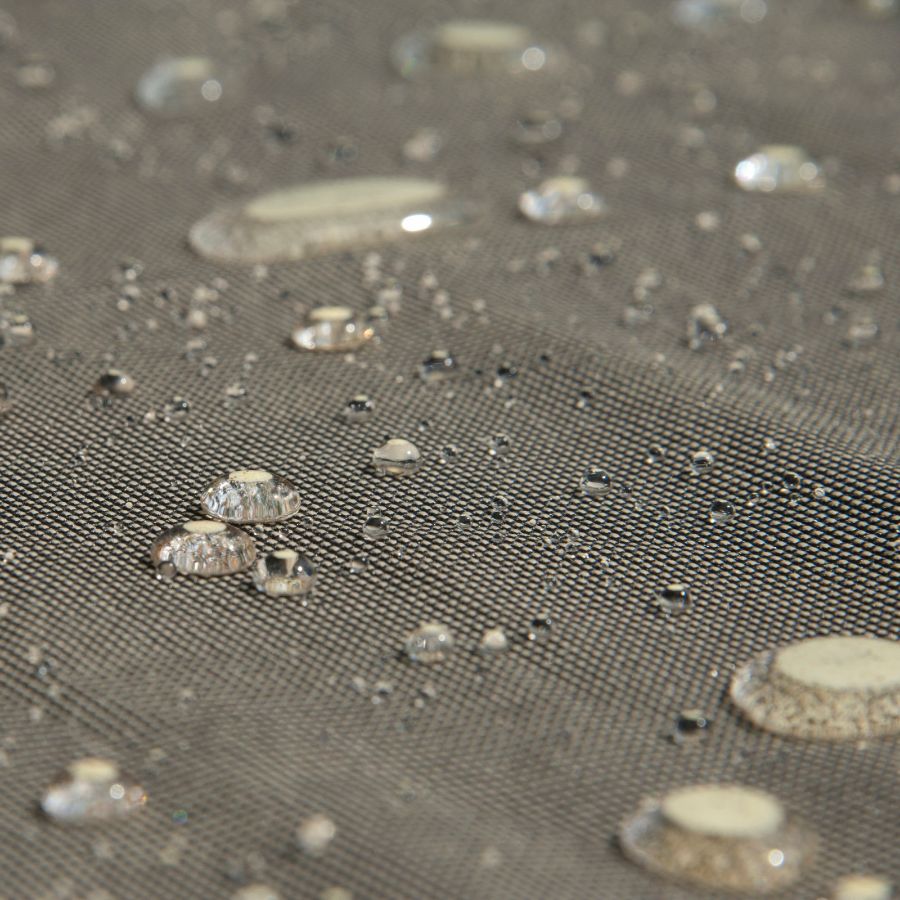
35,74
396,457
832,688
867,279
315,834
561,201
184,86
429,643
780,168
16,329
91,790
331,328
21,262
284,573
204,548
251,495
537,126
596,482
326,216
691,725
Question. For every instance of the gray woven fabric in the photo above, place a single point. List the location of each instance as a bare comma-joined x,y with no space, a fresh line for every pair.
494,779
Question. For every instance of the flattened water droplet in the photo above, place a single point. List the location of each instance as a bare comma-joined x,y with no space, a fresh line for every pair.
358,409
184,86
21,262
831,688
720,512
204,548
494,640
251,495
396,457
561,201
862,887
707,14
437,366
429,643
284,573
91,790
375,528
16,329
674,599
701,461
705,324
326,216
596,482
720,836
331,328
781,168
115,382
315,833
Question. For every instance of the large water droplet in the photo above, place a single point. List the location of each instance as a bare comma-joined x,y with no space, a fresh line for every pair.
720,836
396,457
16,329
284,573
315,834
331,328
324,217
429,643
91,790
832,688
781,168
862,887
251,495
701,461
596,482
21,262
184,85
203,548
561,201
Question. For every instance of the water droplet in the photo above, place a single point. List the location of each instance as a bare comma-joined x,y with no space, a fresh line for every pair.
781,168
35,74
866,280
862,331
356,565
596,482
16,329
708,14
251,495
204,548
862,887
674,599
439,365
537,126
429,643
358,409
450,453
832,688
719,836
704,324
256,892
720,512
21,262
315,834
396,457
375,528
499,508
494,640
691,725
115,382
331,328
184,86
498,445
424,146
176,408
656,454
562,200
326,216
701,461
284,573
539,629
91,790
599,256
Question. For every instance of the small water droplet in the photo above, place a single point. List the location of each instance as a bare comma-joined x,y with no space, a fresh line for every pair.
184,86
720,512
711,14
656,454
16,329
284,573
779,168
537,126
438,366
596,482
315,834
424,146
704,324
204,548
598,257
177,408
375,528
429,643
540,629
701,461
115,382
91,790
494,640
35,74
560,201
866,280
499,508
356,565
397,456
862,331
498,445
450,453
691,725
674,599
21,262
358,409
251,495
331,328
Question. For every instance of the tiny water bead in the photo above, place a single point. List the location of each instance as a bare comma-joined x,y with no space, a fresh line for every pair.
324,217
498,445
184,86
779,168
331,328
284,573
397,457
540,629
115,382
701,461
315,834
16,329
830,688
704,325
596,482
691,725
21,262
203,548
494,640
251,495
91,789
862,887
438,366
424,146
375,528
356,565
560,201
358,409
674,599
429,643
720,837
721,512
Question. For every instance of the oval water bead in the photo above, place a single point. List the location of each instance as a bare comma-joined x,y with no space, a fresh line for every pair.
720,512
396,457
184,85
284,573
779,168
251,495
563,200
720,837
203,548
21,262
16,329
429,643
326,216
91,789
829,688
596,482
331,328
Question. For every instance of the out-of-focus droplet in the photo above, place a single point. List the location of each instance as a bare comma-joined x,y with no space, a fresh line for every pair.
862,331
674,599
439,365
596,482
597,258
719,836
709,14
867,279
35,74
701,461
256,892
184,86
704,324
204,548
721,511
424,146
862,887
115,383
375,528
879,9
562,200
540,629
832,688
498,445
537,126
691,725
91,790
358,409
779,168
331,328
284,573
397,456
315,834
21,262
429,643
16,329
494,640
326,216
251,495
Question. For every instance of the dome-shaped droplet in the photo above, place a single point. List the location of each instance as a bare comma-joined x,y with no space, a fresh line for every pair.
831,688
16,329
596,482
326,216
779,168
561,201
315,834
720,512
494,640
429,643
704,325
396,457
91,790
701,461
284,573
251,495
204,548
375,528
719,836
331,328
674,599
437,366
184,86
21,262
115,382
358,409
